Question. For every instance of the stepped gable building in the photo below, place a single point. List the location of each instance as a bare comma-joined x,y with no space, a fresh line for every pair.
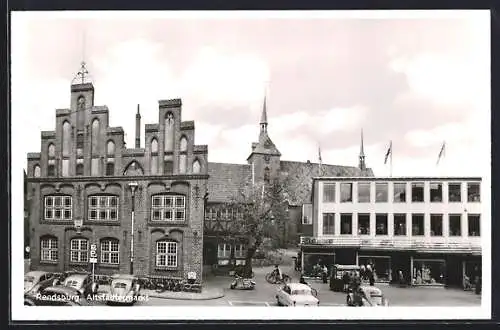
263,165
135,210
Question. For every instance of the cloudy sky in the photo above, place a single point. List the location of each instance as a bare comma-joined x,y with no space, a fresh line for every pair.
415,81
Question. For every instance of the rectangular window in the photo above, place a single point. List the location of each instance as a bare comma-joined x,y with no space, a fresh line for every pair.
103,208
51,170
473,192
381,224
65,167
110,168
168,167
436,225
79,250
58,208
345,192
307,214
363,224
381,191
79,145
417,224
455,224
328,223
399,224
399,192
48,249
454,192
94,167
346,224
168,208
364,192
79,169
474,224
154,164
166,254
417,192
329,193
239,251
110,252
436,190
224,250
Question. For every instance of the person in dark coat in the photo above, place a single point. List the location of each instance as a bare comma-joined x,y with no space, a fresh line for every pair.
346,280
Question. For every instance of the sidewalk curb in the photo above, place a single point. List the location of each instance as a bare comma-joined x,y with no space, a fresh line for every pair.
216,295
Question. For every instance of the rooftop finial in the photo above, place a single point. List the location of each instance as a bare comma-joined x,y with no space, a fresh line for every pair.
82,74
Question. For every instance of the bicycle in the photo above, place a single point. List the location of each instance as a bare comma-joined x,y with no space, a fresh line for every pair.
273,279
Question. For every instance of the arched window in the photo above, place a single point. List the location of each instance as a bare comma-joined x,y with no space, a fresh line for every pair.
169,132
79,169
58,207
79,250
48,248
110,150
52,151
66,137
110,251
166,253
183,155
196,166
51,166
170,208
36,171
154,156
94,166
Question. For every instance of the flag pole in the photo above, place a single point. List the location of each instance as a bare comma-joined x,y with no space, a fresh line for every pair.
390,165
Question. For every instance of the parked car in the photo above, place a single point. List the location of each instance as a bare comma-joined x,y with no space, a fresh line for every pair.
371,297
124,289
296,294
337,276
58,295
37,280
81,282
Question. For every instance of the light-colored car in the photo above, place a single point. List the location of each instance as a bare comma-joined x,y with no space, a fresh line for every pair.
296,294
371,297
35,281
55,296
81,282
124,289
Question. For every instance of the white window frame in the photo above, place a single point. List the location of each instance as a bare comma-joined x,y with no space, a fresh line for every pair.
162,205
225,252
82,254
102,203
47,252
62,207
108,250
169,251
239,251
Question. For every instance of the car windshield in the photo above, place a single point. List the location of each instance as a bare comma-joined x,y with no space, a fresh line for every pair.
29,279
301,292
120,285
72,283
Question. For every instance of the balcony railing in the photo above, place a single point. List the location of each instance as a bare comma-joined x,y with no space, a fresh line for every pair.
393,244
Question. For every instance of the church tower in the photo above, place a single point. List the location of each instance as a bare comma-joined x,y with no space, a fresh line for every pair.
265,157
362,164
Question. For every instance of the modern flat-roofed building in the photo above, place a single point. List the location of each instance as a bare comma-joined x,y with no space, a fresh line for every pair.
426,227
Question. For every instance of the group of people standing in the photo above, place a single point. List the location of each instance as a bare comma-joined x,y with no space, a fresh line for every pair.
353,279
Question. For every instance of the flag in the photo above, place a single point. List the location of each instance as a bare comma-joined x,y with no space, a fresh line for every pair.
389,152
441,152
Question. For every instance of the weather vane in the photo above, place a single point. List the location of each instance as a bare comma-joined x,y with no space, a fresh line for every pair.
82,74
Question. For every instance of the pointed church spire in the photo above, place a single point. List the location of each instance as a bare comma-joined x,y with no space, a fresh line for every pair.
362,165
263,118
138,128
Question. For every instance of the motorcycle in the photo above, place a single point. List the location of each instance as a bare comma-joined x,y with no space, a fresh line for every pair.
241,283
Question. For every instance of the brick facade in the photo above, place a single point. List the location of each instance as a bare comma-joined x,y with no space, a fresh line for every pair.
170,167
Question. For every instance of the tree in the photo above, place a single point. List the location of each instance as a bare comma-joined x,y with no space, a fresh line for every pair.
261,212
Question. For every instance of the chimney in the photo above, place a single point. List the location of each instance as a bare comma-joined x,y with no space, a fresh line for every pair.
138,128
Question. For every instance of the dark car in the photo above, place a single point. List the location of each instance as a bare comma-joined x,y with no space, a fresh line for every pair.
58,295
81,282
37,280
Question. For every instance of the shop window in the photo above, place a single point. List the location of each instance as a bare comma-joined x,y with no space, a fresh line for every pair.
363,224
417,192
345,192
328,223
380,266
381,224
428,272
399,193
381,192
436,192
329,193
417,221
455,224
454,192
364,192
346,224
474,224
473,192
436,225
314,259
399,224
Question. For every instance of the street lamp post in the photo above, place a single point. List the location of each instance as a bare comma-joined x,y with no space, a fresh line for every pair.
133,187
